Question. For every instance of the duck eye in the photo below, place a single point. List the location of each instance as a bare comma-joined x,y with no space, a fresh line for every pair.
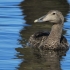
53,13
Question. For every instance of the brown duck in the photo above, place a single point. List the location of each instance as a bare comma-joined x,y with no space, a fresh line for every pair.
54,39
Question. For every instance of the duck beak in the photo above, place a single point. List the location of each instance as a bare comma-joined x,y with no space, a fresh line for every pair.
41,19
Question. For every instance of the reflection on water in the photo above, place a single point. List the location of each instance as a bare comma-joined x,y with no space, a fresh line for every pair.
14,33
40,60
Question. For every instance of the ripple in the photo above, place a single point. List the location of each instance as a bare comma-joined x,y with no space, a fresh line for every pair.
11,22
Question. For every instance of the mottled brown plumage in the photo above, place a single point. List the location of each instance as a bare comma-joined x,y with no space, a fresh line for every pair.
54,39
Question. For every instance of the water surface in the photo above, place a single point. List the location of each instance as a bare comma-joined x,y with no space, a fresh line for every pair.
16,26
11,22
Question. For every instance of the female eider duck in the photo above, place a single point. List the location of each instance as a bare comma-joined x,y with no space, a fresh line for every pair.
54,39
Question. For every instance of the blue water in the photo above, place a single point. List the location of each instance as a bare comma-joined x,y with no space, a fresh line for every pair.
68,1
66,61
11,22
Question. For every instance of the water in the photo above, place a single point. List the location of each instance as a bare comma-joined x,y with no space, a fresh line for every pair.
11,22
16,26
66,61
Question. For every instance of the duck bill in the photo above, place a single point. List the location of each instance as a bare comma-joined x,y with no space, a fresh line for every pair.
41,19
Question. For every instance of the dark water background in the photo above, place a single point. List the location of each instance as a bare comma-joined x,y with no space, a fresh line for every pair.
16,26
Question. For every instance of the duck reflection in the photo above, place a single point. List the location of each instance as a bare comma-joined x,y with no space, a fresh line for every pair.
36,59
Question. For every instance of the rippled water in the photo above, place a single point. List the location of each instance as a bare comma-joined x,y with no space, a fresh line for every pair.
11,23
66,61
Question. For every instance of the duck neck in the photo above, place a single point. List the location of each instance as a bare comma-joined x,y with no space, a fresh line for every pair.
55,34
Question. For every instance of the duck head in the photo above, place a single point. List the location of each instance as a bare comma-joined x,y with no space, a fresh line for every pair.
53,16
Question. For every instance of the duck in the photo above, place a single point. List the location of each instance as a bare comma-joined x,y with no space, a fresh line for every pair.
53,39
